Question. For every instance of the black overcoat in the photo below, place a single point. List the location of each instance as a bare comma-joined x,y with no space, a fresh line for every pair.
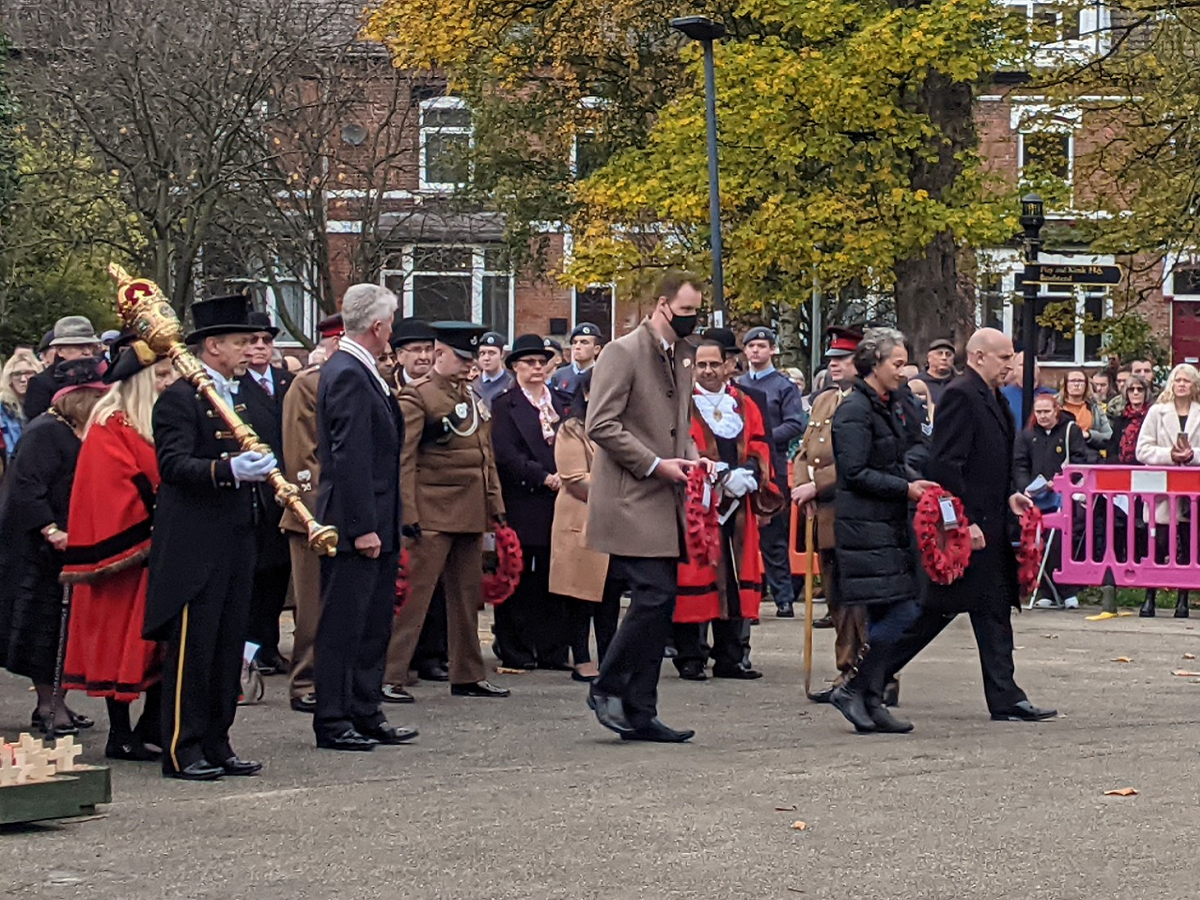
359,436
264,413
523,460
972,458
873,542
203,521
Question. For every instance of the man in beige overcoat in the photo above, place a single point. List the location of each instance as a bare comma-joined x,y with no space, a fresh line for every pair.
638,418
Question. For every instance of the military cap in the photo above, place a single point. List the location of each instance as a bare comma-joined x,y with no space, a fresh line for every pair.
585,329
461,337
842,341
492,339
759,333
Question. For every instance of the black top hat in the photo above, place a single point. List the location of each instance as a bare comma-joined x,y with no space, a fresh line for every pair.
131,358
221,315
585,329
759,333
492,339
411,331
461,337
262,322
723,336
528,345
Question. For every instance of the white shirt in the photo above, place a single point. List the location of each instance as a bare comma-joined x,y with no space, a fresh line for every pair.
359,352
226,387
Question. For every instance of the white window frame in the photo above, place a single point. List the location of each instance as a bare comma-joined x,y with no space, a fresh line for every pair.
424,132
478,271
1095,33
1008,265
1173,261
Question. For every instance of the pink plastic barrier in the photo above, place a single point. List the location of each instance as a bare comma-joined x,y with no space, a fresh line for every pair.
1132,520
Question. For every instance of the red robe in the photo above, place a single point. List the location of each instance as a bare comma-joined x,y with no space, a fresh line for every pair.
108,543
699,596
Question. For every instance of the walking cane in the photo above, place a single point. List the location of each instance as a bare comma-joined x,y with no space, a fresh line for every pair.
809,556
61,653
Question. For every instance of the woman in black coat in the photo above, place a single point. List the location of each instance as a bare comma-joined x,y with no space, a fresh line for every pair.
875,562
531,625
33,535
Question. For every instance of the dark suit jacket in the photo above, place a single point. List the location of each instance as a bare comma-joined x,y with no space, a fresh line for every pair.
523,460
202,519
359,435
779,470
972,458
264,413
38,394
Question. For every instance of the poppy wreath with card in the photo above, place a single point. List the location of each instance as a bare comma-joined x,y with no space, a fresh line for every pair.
703,531
1029,553
402,580
945,553
499,584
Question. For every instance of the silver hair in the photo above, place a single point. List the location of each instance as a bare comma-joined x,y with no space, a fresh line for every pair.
876,346
365,304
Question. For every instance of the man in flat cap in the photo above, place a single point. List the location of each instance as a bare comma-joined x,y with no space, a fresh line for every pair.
74,338
785,419
451,497
585,346
494,377
939,368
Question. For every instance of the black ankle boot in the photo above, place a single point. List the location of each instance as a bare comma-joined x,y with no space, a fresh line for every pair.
1181,605
851,701
885,722
1151,604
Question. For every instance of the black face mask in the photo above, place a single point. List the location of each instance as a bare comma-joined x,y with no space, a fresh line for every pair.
683,325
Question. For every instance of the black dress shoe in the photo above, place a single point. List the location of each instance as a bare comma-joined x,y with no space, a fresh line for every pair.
388,734
235,765
1150,606
394,693
784,611
305,703
80,721
659,733
885,722
349,739
270,662
587,679
130,750
736,672
692,670
478,689
200,770
822,696
609,710
852,703
1024,712
825,621
434,673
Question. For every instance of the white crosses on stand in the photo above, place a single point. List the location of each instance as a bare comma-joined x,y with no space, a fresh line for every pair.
29,760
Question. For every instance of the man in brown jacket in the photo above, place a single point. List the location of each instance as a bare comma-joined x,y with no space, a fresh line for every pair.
300,459
450,496
638,417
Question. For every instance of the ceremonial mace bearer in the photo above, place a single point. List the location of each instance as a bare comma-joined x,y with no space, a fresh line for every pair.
202,551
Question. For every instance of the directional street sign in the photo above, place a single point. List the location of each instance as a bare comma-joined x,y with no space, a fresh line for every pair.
1074,273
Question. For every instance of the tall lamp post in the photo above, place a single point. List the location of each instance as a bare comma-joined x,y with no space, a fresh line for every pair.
1032,219
706,31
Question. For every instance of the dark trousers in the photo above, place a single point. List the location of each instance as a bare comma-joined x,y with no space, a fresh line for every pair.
358,597
531,625
630,669
432,649
729,648
266,604
203,669
773,543
583,615
994,638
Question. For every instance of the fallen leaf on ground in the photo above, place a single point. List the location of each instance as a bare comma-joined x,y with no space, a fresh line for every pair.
1184,674
785,809
1122,659
799,826
1050,637
503,670
1121,792
1189,656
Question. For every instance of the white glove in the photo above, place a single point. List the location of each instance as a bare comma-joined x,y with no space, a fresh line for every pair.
740,482
252,466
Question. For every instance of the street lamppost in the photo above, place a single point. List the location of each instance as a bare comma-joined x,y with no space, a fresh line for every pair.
706,31
1032,219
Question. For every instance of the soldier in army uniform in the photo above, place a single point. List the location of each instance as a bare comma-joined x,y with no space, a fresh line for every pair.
451,497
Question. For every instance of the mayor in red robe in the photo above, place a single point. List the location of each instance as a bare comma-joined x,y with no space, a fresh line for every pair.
727,427
112,507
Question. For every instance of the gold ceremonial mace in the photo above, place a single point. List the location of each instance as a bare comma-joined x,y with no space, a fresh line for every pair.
148,314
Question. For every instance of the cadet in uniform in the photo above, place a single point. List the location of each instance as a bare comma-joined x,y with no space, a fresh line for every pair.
202,551
300,457
494,378
585,347
451,496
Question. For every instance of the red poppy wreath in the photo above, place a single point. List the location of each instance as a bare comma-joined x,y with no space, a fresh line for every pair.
703,531
944,553
499,585
1029,553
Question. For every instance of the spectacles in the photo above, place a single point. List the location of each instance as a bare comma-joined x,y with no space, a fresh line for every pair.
262,339
1137,390
18,376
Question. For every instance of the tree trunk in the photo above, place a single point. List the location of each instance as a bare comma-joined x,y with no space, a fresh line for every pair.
928,301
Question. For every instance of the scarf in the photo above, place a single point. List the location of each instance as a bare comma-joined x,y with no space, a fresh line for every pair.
546,414
1127,455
